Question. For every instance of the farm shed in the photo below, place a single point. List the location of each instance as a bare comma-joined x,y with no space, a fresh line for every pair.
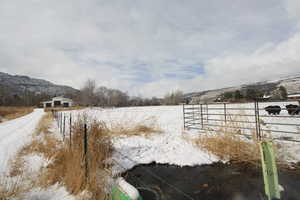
294,96
58,102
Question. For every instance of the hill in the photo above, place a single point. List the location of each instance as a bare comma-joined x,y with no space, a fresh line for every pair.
16,90
292,85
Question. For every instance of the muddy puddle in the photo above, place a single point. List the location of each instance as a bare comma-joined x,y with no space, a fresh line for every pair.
210,182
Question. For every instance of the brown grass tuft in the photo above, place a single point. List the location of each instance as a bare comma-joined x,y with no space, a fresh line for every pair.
146,127
228,145
9,113
44,124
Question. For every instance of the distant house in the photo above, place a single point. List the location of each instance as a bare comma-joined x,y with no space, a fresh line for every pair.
58,102
266,97
294,96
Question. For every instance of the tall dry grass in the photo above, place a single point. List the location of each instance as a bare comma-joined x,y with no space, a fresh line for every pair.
231,144
9,113
68,163
67,158
67,166
236,146
11,189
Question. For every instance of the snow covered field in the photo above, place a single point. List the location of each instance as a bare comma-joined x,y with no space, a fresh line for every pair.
166,148
170,147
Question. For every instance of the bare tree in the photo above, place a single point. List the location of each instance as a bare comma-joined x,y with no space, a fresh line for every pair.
174,98
87,93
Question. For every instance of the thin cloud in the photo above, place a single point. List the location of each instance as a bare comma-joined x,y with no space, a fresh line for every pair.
150,47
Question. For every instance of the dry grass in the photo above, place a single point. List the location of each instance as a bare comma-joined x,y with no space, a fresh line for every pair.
229,145
145,127
68,166
9,113
44,124
18,182
45,145
11,189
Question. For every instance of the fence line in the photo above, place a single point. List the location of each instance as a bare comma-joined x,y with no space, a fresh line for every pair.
209,116
61,122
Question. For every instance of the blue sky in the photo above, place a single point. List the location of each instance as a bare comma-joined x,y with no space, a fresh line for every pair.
149,48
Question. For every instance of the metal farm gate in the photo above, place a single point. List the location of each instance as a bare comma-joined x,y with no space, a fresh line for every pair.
248,118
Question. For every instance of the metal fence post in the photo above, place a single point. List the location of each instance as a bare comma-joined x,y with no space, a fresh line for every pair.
207,112
60,123
70,124
201,113
257,120
64,128
225,113
85,150
193,115
183,108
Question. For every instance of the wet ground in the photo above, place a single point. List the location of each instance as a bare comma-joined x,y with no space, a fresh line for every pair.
211,182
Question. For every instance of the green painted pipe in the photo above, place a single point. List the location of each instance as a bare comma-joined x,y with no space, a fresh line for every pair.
124,191
269,171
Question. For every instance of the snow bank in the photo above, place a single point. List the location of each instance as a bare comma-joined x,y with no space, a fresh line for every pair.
55,192
16,133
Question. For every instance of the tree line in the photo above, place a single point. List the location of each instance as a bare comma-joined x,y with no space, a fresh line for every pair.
254,94
91,95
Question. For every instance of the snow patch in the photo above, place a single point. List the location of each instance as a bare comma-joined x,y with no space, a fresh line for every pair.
55,192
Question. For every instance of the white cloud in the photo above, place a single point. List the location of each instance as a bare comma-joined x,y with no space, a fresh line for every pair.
293,8
149,47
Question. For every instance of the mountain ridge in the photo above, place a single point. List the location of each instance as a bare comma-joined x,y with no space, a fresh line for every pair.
291,83
20,84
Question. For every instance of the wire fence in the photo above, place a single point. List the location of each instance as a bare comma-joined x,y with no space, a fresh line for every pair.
65,122
277,120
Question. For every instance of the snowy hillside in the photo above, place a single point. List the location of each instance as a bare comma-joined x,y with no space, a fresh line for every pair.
292,84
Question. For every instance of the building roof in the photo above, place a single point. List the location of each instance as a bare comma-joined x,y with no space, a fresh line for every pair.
61,98
266,96
47,102
294,95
